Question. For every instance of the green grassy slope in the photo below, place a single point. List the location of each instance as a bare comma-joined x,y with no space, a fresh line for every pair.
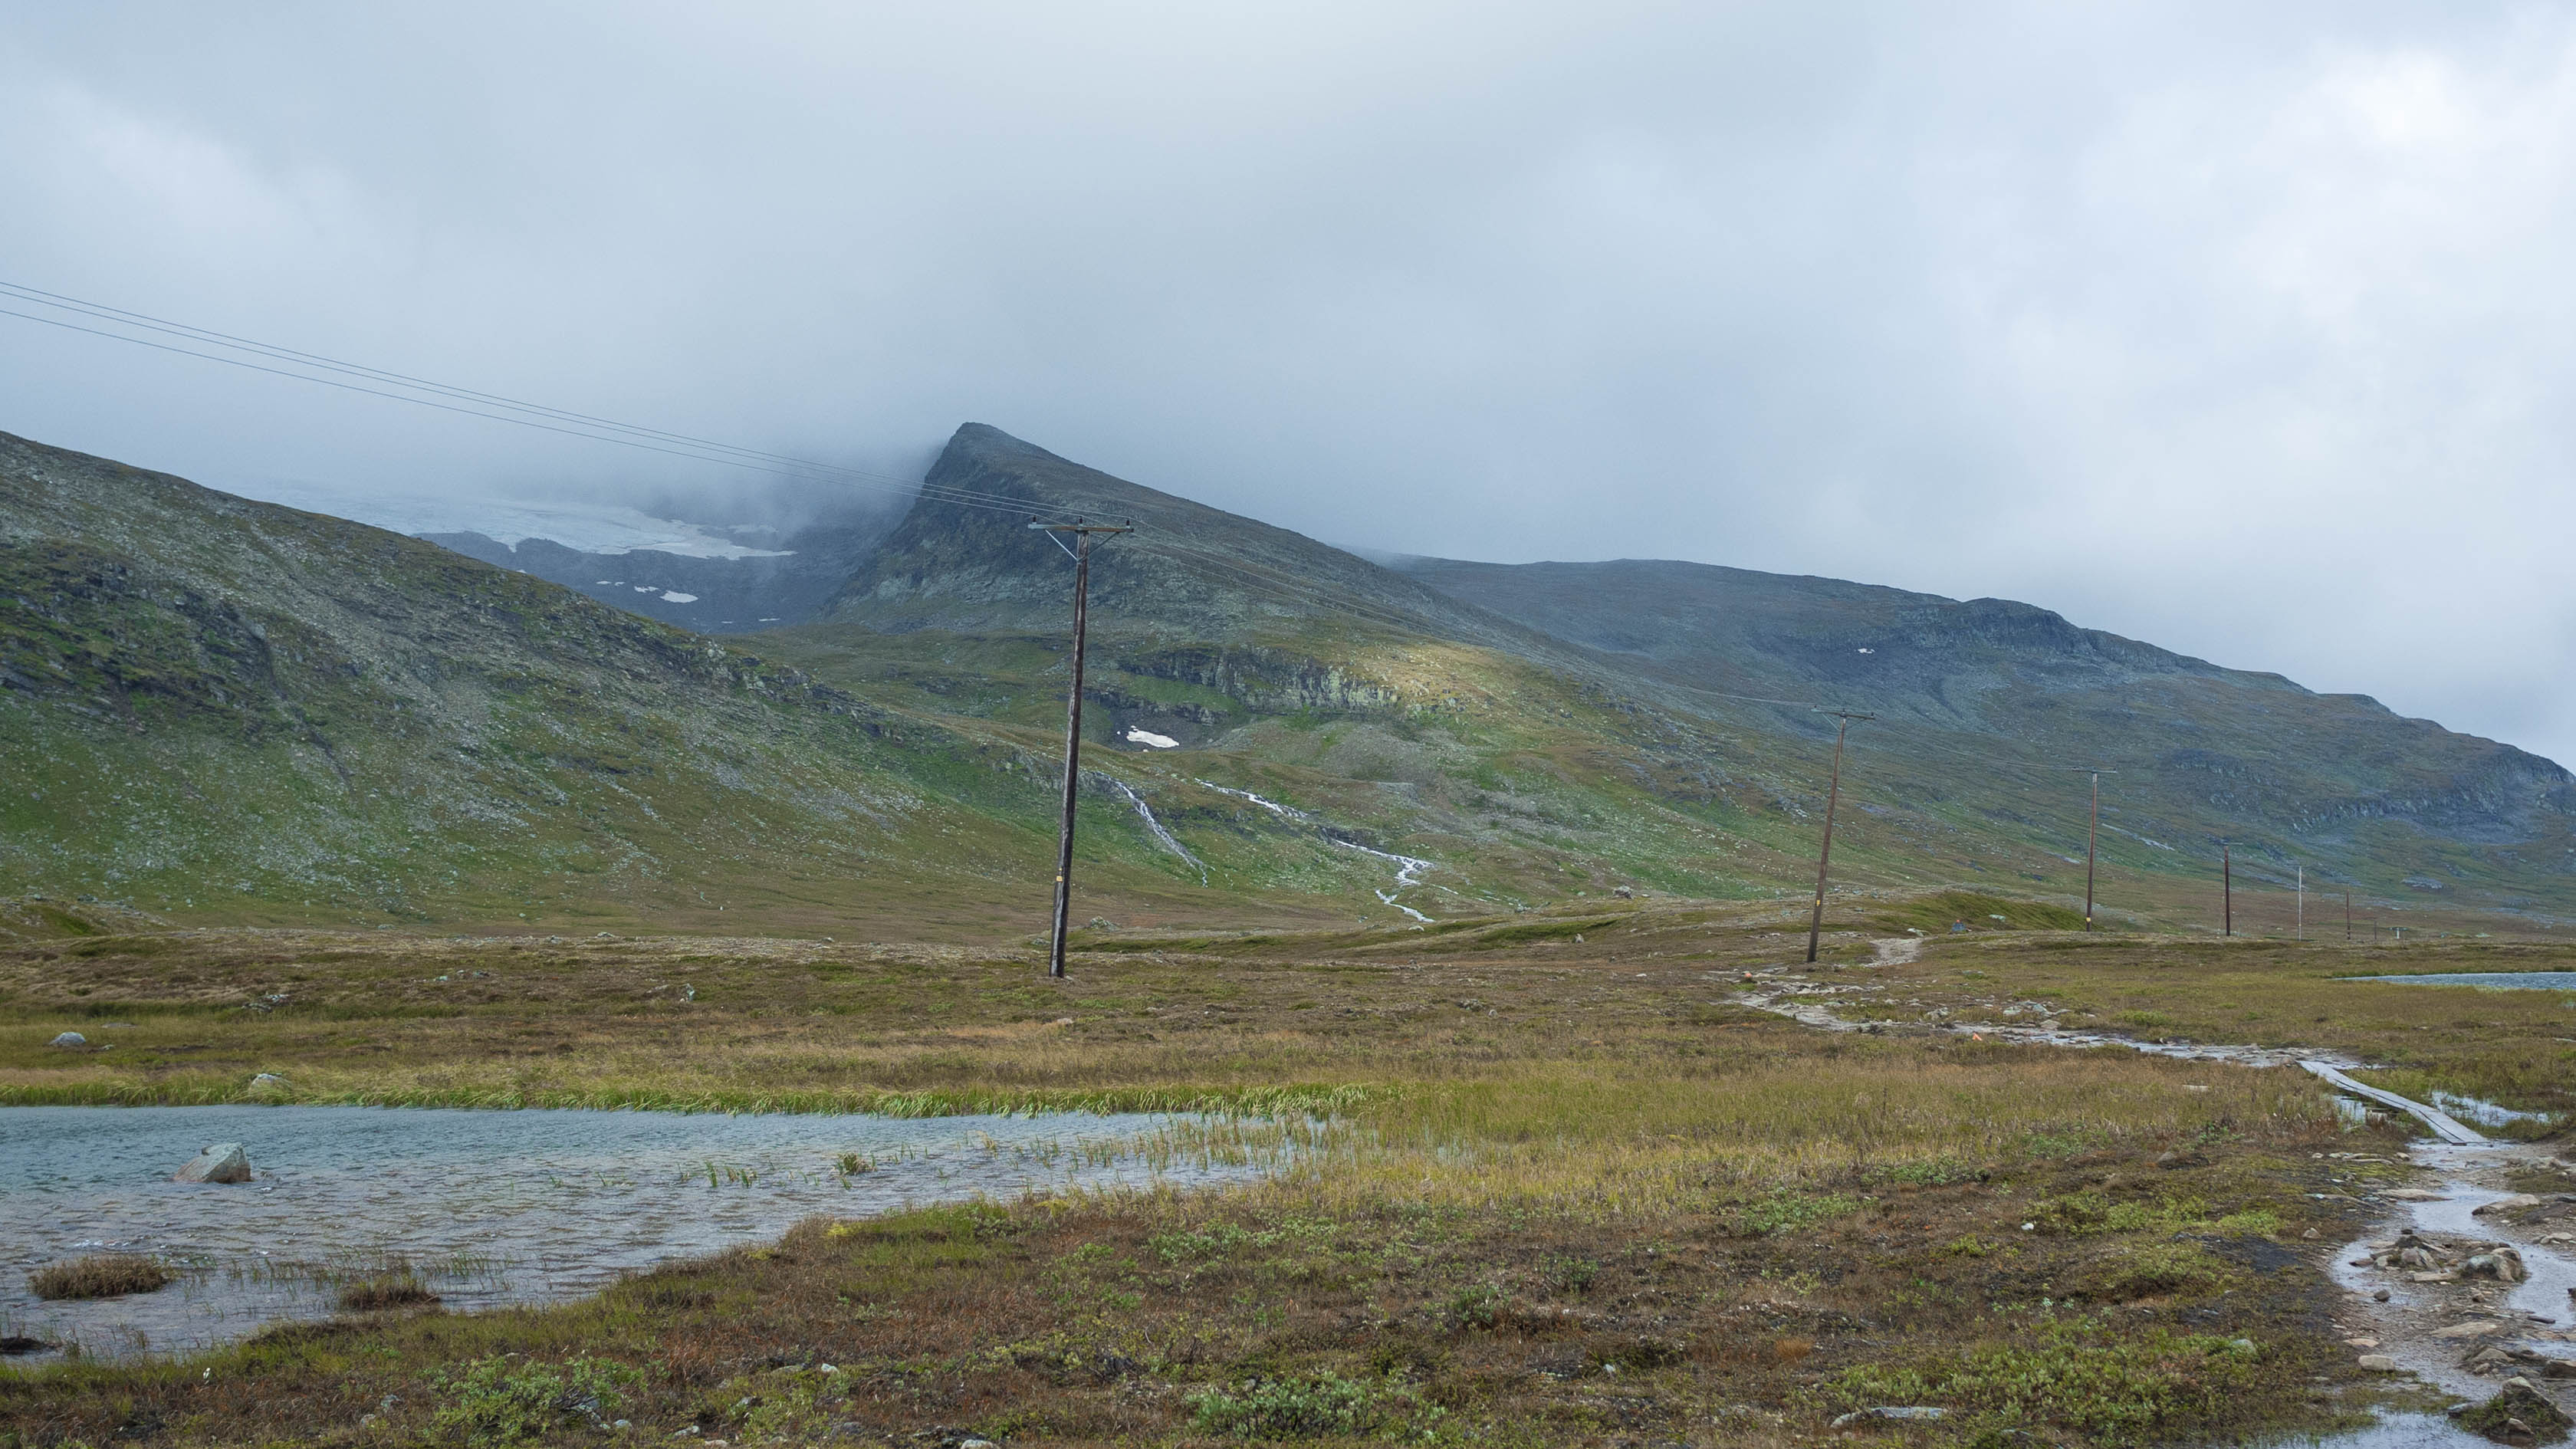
217,710
213,709
1548,729
1979,699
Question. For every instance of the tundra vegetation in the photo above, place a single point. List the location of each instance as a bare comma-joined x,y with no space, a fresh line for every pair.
1542,1191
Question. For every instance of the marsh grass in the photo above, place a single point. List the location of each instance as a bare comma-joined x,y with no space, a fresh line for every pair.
1489,1180
104,1275
375,1295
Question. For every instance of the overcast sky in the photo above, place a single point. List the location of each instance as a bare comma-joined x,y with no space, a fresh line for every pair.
2243,329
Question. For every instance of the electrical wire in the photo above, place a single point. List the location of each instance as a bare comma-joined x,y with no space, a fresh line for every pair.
1235,572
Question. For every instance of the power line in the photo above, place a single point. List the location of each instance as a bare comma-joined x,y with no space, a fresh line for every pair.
1240,574
568,423
103,312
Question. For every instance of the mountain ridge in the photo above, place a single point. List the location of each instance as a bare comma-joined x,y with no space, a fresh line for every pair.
324,717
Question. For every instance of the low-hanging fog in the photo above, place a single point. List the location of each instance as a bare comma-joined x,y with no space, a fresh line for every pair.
2242,329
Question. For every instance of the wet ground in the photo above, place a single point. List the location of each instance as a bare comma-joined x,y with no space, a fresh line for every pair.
2453,1330
485,1208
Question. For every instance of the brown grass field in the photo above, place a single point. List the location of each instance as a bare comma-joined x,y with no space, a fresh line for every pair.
1551,1183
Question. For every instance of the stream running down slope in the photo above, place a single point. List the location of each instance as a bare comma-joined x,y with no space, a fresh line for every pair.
489,1209
2456,1330
1408,868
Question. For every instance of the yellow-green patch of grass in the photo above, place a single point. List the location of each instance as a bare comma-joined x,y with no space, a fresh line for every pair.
2111,1382
2155,1270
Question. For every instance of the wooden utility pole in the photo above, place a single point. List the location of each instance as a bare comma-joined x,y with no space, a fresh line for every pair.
2299,921
2092,834
1081,554
1825,856
2347,915
2227,890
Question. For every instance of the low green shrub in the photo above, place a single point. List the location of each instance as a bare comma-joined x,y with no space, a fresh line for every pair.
495,1402
1299,1408
1784,1211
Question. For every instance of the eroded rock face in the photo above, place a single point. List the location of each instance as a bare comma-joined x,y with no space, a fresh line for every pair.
222,1162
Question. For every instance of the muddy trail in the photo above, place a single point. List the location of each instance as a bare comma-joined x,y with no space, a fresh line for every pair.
2466,1282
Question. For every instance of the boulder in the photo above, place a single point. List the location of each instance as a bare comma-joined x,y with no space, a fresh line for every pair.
2379,1363
222,1162
2503,1264
2513,1204
268,1082
69,1039
2518,1414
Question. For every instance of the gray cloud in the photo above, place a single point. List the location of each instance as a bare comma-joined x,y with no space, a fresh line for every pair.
2246,333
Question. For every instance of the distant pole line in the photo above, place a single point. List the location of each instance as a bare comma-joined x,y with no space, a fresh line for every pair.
2299,920
1083,533
2227,890
2347,915
2092,835
1824,856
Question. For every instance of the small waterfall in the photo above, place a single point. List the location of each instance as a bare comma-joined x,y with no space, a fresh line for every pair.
1154,827
1408,869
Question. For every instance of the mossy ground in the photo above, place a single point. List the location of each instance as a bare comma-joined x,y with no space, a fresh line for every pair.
1567,1193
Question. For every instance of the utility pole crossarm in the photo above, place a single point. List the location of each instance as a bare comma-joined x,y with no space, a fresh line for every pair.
1083,532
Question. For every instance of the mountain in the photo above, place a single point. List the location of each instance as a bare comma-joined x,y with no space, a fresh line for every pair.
2254,748
712,593
1653,721
213,708
717,562
964,560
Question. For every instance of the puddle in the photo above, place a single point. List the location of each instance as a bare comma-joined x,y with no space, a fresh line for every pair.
2491,980
490,1208
2486,1114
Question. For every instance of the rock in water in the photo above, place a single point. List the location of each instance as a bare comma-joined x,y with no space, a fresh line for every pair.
2518,1414
69,1039
223,1162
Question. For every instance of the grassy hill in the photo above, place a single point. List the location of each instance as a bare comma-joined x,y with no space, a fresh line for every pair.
1555,728
219,710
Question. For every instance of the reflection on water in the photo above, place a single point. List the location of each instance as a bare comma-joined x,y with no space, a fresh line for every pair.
2493,980
2397,1431
488,1208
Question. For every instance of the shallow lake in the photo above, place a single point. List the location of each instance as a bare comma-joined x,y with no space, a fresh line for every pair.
487,1208
2493,980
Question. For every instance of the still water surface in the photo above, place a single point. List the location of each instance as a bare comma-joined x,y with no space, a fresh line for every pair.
488,1208
2492,980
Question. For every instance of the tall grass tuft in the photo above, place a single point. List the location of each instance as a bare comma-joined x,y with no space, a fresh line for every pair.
104,1275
